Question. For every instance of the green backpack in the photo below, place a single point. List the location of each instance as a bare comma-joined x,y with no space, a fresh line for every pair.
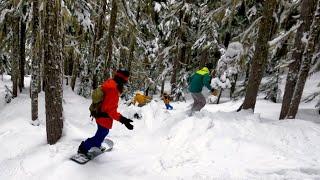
95,107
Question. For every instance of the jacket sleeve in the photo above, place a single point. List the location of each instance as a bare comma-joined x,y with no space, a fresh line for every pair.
207,81
110,105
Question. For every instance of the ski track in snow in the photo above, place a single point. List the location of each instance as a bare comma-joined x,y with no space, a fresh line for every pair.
216,143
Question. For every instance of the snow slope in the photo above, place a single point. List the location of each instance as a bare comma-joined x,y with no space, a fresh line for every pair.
216,143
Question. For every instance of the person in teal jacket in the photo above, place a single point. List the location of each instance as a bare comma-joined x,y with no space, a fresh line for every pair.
199,79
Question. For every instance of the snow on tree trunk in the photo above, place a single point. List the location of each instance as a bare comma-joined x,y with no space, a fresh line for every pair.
260,55
53,72
35,61
306,63
307,9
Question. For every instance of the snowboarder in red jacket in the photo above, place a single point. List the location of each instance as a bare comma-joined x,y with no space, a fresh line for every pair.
112,88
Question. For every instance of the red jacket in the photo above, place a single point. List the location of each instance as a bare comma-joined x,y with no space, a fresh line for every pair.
109,104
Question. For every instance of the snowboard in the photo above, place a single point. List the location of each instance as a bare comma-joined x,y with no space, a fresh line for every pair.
93,153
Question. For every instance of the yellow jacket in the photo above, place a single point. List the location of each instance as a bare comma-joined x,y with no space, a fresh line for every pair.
166,99
141,99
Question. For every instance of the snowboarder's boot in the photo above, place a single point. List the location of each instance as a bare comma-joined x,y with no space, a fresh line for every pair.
82,150
102,148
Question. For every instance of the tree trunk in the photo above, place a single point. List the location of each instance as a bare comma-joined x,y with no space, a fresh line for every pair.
75,71
112,27
131,51
162,85
68,63
280,54
307,9
99,29
63,53
35,61
188,58
220,93
22,46
133,38
123,56
204,57
260,55
233,85
15,56
66,67
53,72
175,70
180,51
304,71
41,50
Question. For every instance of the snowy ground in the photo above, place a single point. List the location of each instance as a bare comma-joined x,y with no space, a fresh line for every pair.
216,143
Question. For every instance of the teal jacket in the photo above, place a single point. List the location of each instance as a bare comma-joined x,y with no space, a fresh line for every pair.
199,79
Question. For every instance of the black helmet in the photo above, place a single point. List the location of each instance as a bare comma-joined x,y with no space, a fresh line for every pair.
123,74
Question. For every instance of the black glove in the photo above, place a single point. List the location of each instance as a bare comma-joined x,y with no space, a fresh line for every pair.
126,122
137,116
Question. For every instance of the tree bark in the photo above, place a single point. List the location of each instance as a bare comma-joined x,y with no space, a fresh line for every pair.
15,56
260,55
75,71
220,93
204,57
175,69
99,29
131,51
306,63
233,85
41,50
112,27
162,85
53,71
307,9
22,46
180,50
35,61
133,38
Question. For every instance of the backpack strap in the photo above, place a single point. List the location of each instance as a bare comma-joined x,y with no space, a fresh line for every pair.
100,114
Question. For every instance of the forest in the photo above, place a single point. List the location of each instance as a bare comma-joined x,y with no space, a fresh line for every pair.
261,51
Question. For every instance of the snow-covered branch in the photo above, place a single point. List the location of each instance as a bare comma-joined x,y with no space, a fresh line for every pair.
284,35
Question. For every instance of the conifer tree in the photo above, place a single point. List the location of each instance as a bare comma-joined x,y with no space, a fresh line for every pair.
260,55
53,71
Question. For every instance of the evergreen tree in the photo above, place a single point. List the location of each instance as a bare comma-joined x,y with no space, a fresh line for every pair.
35,61
53,71
307,8
260,55
22,43
306,63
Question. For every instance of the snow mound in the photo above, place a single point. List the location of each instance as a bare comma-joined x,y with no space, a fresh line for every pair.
241,145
